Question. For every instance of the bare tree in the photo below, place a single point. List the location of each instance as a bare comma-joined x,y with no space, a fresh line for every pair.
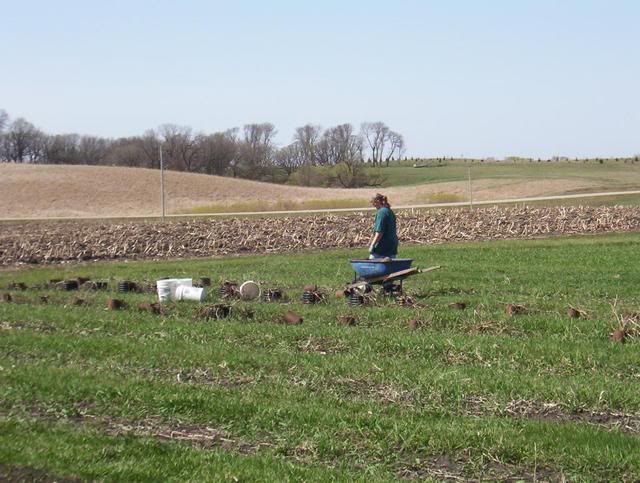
290,157
234,165
62,149
150,146
307,138
257,149
324,152
251,153
383,143
125,152
344,146
93,150
376,135
179,145
23,142
4,120
74,149
396,146
217,152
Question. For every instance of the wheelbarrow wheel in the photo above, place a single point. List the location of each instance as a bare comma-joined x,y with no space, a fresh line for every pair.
391,289
364,287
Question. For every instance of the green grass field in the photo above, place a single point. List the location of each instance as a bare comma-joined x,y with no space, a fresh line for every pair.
123,395
611,174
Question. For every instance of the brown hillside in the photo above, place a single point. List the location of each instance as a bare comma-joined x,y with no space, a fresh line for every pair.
39,191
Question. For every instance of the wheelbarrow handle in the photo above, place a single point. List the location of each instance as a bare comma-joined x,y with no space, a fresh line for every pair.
430,269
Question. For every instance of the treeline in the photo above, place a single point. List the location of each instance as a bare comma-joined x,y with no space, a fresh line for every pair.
336,156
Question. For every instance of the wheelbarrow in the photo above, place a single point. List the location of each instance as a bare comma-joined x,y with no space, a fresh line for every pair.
387,272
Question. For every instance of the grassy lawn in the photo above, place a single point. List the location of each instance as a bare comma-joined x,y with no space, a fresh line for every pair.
611,174
124,395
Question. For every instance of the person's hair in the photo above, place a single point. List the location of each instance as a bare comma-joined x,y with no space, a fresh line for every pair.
382,199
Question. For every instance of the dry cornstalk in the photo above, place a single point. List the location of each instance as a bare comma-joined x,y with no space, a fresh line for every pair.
67,241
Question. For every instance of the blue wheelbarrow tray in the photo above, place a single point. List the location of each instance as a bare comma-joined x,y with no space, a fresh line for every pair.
375,269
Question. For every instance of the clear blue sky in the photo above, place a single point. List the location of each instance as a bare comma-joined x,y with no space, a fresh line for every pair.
479,78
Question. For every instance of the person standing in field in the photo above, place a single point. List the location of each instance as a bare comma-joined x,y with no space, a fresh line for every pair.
384,243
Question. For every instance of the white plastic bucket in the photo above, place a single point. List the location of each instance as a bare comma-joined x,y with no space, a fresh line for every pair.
184,292
249,290
184,281
165,289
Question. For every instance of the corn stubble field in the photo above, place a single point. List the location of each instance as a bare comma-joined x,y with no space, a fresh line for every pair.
38,243
518,360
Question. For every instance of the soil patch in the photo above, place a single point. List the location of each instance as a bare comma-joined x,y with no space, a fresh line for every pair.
549,411
21,474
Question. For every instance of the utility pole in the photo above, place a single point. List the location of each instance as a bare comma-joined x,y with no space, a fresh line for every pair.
162,181
470,190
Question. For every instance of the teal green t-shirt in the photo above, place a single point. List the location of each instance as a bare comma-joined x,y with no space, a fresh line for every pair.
385,223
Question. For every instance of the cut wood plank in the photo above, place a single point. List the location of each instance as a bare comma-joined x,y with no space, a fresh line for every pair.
430,269
400,274
393,276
